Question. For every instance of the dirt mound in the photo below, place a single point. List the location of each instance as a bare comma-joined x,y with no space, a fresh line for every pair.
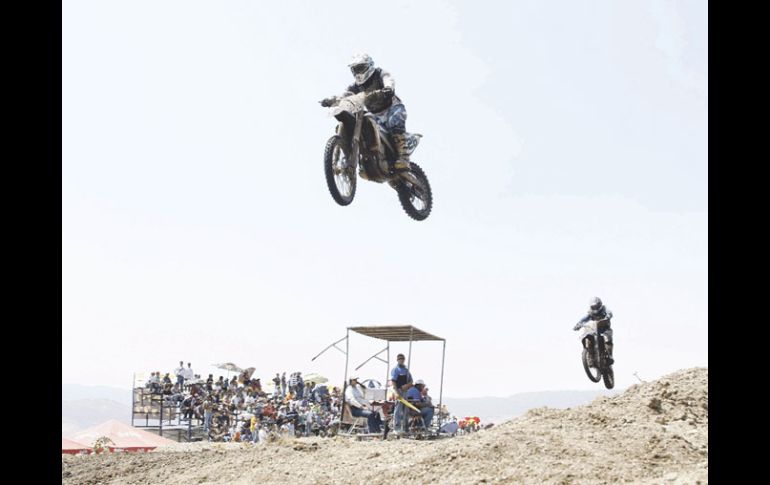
655,432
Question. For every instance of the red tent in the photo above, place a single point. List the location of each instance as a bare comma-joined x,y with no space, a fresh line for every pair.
125,437
72,447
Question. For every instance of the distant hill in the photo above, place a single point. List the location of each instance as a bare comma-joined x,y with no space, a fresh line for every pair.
72,392
498,409
85,406
79,414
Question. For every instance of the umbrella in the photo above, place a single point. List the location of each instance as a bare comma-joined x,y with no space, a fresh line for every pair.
246,374
229,367
372,384
317,378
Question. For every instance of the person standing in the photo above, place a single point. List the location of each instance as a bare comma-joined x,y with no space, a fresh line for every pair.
399,377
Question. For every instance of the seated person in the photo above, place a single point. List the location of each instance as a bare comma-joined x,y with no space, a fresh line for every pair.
425,397
414,396
167,384
154,383
187,407
246,430
219,429
359,406
321,394
256,384
268,410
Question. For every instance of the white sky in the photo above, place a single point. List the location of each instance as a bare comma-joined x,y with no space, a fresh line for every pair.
566,144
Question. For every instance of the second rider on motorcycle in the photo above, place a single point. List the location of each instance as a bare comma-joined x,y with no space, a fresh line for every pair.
600,314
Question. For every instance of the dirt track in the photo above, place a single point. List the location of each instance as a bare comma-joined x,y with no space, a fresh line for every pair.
654,432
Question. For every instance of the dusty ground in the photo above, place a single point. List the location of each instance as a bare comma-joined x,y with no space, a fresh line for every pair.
655,432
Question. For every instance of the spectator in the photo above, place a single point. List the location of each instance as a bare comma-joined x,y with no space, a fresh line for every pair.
154,383
257,385
189,375
359,406
208,408
277,384
167,385
300,385
180,374
399,378
414,396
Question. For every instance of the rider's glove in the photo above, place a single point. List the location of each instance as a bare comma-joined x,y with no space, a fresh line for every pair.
386,92
326,102
577,326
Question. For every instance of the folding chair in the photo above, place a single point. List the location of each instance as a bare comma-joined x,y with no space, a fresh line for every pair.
355,425
415,419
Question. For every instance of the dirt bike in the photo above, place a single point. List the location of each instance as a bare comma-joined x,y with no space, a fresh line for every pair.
362,142
595,355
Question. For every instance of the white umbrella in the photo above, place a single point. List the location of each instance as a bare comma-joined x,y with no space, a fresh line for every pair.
317,378
229,367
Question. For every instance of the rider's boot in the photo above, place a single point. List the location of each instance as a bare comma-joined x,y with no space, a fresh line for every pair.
399,143
609,352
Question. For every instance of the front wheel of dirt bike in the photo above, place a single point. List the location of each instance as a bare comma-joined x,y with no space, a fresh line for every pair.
594,376
608,375
340,172
416,198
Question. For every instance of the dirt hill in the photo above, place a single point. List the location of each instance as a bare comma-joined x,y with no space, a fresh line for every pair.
655,432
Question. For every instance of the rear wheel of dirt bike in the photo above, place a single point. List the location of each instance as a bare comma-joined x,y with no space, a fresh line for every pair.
595,377
609,377
340,172
416,199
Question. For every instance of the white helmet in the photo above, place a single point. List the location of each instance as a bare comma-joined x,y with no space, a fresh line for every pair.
595,303
596,307
362,67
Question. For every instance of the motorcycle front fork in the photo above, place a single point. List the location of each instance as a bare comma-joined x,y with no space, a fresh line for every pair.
588,344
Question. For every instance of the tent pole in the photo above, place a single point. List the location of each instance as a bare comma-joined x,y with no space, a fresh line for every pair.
347,355
441,387
409,362
387,370
160,432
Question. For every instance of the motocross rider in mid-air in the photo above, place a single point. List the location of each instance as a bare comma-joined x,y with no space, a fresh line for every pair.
381,101
600,314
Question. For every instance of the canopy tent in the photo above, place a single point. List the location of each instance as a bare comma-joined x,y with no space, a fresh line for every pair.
395,333
71,447
390,333
124,437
